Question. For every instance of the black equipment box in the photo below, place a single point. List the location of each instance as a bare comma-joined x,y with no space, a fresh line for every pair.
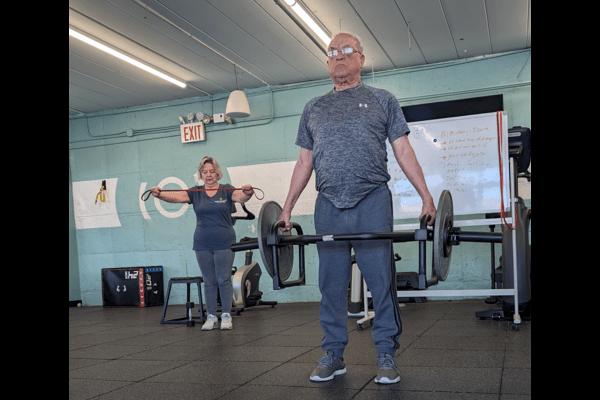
132,287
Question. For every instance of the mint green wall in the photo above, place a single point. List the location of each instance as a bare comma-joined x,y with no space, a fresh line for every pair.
100,148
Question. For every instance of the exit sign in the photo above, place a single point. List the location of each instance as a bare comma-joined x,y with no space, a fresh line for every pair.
192,132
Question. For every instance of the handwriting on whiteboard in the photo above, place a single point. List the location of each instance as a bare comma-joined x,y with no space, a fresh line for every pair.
459,154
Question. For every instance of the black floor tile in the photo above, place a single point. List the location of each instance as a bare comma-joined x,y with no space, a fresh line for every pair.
442,379
108,351
392,393
460,343
91,388
169,390
216,373
125,370
516,381
291,393
416,357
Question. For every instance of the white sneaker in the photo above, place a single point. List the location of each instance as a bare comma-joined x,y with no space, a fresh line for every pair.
211,323
226,321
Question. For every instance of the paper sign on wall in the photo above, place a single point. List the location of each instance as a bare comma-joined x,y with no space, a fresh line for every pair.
91,212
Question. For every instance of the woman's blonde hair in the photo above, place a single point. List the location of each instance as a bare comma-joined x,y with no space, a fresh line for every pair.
215,164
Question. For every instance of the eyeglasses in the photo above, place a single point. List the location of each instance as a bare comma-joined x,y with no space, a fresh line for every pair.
346,50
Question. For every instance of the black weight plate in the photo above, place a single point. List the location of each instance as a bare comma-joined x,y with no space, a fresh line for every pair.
269,214
442,251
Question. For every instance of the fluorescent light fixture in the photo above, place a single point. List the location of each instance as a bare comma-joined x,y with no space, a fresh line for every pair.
309,21
123,57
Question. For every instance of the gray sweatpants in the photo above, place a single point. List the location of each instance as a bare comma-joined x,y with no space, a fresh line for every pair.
375,261
216,271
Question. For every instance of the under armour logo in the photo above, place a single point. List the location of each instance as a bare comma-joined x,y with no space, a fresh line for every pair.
362,105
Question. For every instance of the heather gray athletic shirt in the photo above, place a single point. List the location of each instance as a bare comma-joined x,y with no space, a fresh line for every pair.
346,132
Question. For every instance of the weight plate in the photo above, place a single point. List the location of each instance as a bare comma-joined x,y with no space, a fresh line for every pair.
269,214
442,251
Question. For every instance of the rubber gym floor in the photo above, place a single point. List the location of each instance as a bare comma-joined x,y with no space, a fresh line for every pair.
445,353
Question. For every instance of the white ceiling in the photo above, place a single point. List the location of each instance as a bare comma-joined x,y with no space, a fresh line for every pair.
198,42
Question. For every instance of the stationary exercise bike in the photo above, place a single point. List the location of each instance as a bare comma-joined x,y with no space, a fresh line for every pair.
245,285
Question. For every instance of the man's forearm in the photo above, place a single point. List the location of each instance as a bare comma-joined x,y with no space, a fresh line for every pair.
300,178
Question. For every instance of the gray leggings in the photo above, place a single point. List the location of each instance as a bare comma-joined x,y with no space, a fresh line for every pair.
215,266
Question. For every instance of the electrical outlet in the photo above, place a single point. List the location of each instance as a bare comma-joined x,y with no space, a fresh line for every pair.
219,117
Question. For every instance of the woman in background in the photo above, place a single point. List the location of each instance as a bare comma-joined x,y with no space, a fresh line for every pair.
213,236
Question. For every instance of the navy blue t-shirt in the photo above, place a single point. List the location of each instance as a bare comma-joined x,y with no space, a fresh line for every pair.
214,230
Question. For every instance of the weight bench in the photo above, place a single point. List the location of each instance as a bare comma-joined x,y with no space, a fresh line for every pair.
188,319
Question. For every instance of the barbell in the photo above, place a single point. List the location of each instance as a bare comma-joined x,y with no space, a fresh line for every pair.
277,252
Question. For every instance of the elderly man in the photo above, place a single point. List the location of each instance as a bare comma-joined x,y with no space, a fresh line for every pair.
342,136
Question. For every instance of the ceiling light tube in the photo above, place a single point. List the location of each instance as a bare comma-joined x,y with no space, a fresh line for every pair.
309,21
123,57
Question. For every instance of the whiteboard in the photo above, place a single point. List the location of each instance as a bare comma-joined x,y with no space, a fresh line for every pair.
459,154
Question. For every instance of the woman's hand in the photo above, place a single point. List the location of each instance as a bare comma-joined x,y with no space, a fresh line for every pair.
243,195
247,190
155,190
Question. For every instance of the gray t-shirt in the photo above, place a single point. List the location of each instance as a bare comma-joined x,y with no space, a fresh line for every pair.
346,132
214,229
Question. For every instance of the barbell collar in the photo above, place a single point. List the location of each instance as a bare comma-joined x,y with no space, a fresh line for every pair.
423,234
452,236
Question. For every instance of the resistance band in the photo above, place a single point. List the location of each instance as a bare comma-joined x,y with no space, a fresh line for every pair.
500,141
147,193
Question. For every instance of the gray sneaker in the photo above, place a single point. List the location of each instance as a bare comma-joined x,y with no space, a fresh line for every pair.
388,373
329,366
